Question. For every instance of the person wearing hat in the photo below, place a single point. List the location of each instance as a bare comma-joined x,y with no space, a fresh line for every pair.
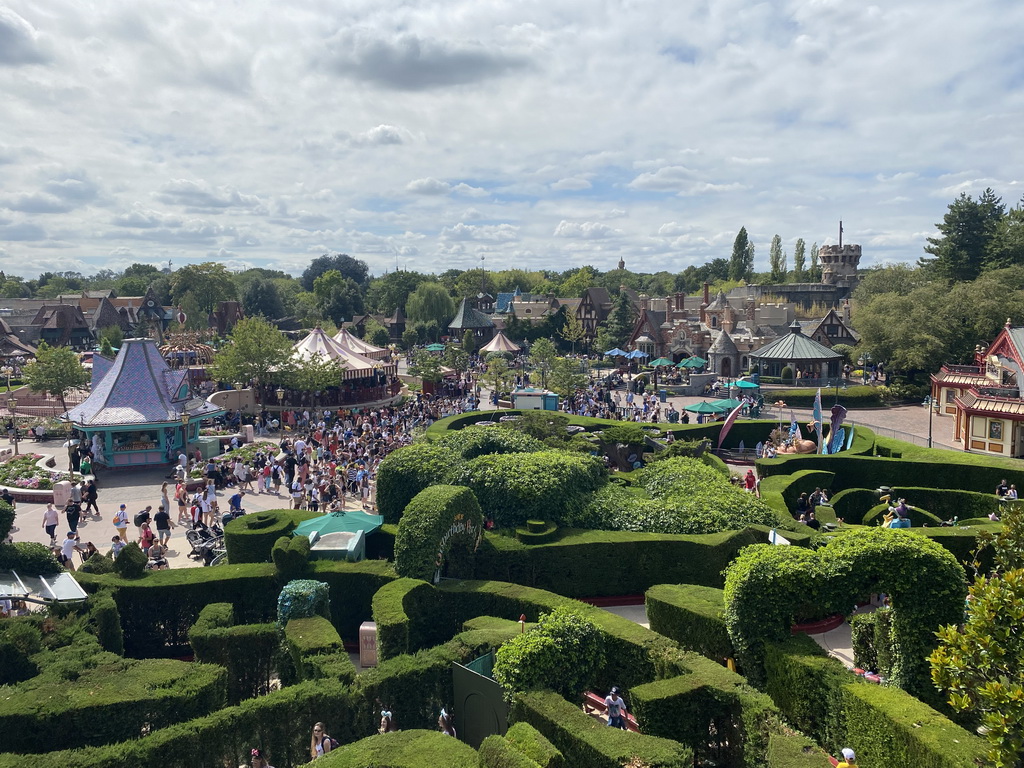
616,708
849,759
121,523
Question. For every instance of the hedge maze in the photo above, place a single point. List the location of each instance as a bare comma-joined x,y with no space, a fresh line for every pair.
103,684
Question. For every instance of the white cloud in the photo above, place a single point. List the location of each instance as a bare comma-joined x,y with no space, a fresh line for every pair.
19,41
587,230
572,183
665,179
428,186
498,233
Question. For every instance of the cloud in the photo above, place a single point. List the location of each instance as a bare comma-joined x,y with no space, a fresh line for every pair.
411,63
666,179
19,41
672,229
145,218
572,183
428,186
496,233
22,231
38,203
587,230
201,196
382,135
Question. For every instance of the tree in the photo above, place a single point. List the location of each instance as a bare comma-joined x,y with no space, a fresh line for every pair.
542,358
425,366
777,260
261,297
815,275
56,370
456,358
352,269
256,352
577,283
430,302
338,297
966,233
1006,248
566,377
375,333
206,284
410,338
572,331
112,336
392,290
619,326
315,374
799,261
469,342
979,665
741,265
473,281
498,375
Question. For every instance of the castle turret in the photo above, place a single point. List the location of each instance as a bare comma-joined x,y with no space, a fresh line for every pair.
839,265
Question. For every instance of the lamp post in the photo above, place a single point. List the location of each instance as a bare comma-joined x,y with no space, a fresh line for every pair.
932,405
184,431
12,406
68,428
8,371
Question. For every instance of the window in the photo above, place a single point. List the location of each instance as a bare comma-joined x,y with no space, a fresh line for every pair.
977,426
950,395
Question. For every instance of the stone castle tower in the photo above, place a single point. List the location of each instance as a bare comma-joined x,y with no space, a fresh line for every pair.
839,265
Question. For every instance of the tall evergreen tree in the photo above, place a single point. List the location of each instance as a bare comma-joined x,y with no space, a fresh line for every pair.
966,232
815,275
620,322
799,261
777,260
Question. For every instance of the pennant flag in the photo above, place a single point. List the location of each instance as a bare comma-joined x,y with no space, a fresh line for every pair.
728,423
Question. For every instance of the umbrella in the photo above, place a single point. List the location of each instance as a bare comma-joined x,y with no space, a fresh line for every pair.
616,353
693,362
742,384
727,404
661,361
435,347
636,354
340,522
702,407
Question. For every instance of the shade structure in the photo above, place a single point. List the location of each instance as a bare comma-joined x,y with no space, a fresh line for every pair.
661,361
744,384
435,347
702,407
727,404
636,354
339,522
318,345
500,344
693,362
354,344
616,353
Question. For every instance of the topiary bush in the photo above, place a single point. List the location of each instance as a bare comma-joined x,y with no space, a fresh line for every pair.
440,529
479,441
130,562
6,520
291,556
627,434
693,616
98,563
407,471
534,745
28,558
19,641
403,749
547,485
251,538
301,599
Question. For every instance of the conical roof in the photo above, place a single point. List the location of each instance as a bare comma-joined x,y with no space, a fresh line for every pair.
139,388
719,302
795,346
724,345
319,345
467,317
353,343
500,343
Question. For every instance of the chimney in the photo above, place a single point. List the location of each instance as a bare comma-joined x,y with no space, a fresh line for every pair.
846,312
728,320
707,294
751,307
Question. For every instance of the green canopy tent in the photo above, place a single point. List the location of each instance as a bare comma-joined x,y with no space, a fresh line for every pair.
702,407
339,535
692,362
435,347
661,361
744,384
727,404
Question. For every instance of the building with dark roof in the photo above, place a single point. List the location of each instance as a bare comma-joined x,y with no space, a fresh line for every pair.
804,356
469,319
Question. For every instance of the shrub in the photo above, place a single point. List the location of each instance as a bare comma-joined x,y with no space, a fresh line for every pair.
794,751
28,558
787,375
302,599
563,652
693,616
479,441
316,650
547,485
130,562
251,538
19,641
404,749
291,556
98,563
6,519
105,622
584,741
441,526
627,434
407,471
248,652
497,752
534,745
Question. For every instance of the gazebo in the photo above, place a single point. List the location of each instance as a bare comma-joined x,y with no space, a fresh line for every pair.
362,380
500,344
140,411
469,319
808,359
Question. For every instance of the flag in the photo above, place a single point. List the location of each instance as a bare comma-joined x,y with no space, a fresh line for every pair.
816,418
728,424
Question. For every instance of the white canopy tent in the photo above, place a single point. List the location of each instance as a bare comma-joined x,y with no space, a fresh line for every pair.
500,344
353,343
356,366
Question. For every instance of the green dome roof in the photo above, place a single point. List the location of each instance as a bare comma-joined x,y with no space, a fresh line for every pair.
795,346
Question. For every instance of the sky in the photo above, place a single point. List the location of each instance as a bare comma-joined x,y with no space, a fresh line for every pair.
540,135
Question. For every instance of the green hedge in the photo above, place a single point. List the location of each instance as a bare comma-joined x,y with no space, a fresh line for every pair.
856,396
401,611
585,741
439,533
497,752
534,745
402,749
782,491
628,563
250,538
405,472
316,650
28,558
804,682
86,696
693,616
249,652
794,751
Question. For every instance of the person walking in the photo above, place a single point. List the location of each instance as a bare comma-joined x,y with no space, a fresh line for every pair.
50,519
121,523
616,708
73,513
163,521
90,494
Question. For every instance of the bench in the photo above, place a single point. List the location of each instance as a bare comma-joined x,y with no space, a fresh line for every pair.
594,704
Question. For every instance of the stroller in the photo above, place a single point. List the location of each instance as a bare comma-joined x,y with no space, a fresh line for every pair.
204,540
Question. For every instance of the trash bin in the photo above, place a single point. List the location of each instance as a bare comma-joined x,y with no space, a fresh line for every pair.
663,395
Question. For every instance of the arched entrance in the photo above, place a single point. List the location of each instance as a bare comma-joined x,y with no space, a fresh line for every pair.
725,368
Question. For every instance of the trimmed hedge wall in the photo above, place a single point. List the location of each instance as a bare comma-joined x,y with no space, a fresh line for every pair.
693,616
792,751
250,538
440,521
248,652
629,563
856,396
402,749
316,650
497,752
534,745
405,472
584,741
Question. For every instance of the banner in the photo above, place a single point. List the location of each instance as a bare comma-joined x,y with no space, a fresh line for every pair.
728,424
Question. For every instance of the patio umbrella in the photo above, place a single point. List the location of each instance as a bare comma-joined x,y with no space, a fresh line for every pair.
702,407
727,404
340,522
692,362
636,354
616,353
743,384
435,347
661,361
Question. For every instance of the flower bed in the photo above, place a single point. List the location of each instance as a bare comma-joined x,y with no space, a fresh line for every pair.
27,471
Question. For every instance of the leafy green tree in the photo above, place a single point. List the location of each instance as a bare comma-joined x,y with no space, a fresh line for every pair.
979,665
566,377
315,374
498,375
206,284
542,358
376,334
799,261
577,283
256,352
410,338
1006,248
113,336
815,275
56,370
572,331
430,302
469,342
965,235
777,260
456,358
473,281
390,291
261,297
619,326
349,268
741,265
425,366
338,297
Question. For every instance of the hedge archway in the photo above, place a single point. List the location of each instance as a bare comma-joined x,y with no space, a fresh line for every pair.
767,587
438,534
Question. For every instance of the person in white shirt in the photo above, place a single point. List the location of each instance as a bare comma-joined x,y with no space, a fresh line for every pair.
68,548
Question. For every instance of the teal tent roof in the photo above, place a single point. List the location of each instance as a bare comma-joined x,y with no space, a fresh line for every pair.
795,346
468,317
340,522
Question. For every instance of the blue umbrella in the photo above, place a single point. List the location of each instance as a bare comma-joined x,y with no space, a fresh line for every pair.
616,353
636,354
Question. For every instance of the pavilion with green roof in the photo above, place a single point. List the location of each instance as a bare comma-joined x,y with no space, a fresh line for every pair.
467,318
813,360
